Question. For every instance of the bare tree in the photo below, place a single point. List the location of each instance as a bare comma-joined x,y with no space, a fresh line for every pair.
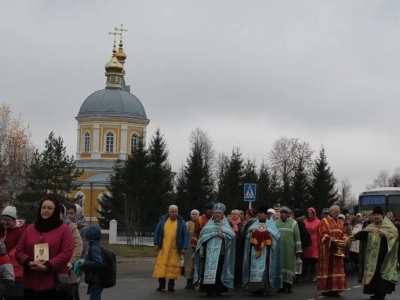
200,140
394,180
221,165
346,197
382,180
16,152
286,154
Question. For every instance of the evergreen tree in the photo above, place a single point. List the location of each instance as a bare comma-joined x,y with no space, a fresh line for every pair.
322,188
181,193
195,182
127,199
275,189
231,192
264,186
51,171
300,188
112,203
250,176
160,178
250,172
286,191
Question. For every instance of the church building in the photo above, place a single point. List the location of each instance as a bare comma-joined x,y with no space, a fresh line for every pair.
110,122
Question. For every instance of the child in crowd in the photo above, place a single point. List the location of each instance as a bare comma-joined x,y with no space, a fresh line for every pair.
93,263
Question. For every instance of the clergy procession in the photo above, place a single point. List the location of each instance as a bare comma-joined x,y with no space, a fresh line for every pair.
269,250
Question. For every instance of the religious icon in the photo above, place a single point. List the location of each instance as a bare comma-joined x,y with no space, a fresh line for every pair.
41,252
262,227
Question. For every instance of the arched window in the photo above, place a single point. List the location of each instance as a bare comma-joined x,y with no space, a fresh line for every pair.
134,142
109,141
86,142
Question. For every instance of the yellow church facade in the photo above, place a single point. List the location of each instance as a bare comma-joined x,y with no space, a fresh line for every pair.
110,123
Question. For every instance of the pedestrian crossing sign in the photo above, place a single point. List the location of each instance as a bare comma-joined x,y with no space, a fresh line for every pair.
250,191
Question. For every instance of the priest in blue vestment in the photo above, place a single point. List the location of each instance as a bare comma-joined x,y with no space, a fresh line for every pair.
215,254
262,261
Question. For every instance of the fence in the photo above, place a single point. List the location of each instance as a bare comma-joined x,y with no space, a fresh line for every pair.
142,238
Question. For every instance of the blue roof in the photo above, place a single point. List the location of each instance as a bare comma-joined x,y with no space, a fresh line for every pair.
112,103
101,177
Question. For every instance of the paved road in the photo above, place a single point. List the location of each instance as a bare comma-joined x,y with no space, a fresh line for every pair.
135,282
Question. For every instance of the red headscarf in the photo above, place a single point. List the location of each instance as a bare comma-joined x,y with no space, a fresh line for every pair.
313,217
252,212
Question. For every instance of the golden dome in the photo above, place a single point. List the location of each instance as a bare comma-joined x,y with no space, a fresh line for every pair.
114,66
121,56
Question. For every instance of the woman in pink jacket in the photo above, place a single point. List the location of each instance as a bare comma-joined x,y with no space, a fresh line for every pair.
53,238
311,253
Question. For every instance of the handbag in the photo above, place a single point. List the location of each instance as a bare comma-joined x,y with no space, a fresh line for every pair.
63,285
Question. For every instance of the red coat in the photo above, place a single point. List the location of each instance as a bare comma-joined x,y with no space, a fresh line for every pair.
61,246
11,238
312,228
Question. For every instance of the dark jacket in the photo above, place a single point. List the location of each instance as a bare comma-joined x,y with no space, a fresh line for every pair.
93,264
304,235
182,234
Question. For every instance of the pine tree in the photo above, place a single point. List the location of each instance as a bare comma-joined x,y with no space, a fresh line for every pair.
275,189
51,171
160,178
264,186
181,193
127,197
195,182
300,188
322,188
231,192
250,176
286,191
112,203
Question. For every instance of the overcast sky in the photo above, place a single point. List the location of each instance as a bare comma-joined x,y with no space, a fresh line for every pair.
248,72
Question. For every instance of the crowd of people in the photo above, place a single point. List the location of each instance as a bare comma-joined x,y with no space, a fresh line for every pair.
270,249
46,260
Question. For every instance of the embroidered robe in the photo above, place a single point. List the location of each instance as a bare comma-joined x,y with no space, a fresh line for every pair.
291,244
331,276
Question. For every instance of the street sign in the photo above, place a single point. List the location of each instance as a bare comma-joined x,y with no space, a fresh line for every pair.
250,192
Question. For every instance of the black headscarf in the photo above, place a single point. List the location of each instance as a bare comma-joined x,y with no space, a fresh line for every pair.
46,225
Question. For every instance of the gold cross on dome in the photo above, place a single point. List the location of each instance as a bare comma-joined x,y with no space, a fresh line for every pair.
115,34
121,30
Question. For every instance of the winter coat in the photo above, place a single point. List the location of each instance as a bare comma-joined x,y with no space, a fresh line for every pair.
77,253
7,277
82,227
312,227
182,235
11,237
61,247
93,263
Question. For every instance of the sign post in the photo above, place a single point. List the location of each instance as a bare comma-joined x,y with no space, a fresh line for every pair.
250,192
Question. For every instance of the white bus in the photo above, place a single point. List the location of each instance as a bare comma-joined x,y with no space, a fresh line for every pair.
387,197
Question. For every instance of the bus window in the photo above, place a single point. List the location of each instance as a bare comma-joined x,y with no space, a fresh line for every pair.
394,204
368,203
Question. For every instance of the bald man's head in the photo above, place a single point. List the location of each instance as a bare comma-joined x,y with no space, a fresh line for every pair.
334,211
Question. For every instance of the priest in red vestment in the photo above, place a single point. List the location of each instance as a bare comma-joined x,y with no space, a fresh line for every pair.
201,222
331,277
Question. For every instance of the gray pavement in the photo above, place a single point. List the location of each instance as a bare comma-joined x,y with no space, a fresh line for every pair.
135,282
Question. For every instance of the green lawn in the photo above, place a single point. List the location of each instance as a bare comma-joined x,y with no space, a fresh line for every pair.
132,251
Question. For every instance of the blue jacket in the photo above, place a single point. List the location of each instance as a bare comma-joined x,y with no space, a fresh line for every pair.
182,234
93,263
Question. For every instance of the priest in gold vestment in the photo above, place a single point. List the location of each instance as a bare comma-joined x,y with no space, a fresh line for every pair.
171,241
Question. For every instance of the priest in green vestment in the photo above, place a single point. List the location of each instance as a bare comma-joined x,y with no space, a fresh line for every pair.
291,247
378,256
